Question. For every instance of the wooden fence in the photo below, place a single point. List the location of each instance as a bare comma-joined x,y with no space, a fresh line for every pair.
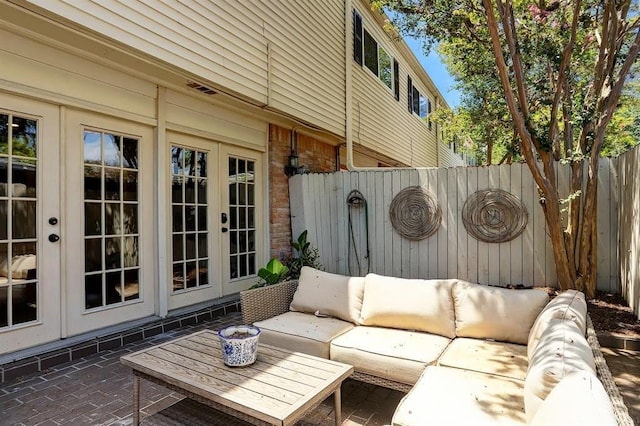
318,204
629,226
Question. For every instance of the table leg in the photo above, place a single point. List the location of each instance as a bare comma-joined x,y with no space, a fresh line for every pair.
337,405
136,400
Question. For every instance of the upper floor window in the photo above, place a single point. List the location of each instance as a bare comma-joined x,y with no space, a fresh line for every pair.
367,52
417,102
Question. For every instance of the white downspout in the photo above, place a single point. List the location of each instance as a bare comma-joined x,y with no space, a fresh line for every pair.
348,101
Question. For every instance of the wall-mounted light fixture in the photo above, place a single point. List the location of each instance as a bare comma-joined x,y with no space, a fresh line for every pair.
292,167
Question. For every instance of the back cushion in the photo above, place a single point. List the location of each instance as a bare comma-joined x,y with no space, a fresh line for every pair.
410,304
562,349
579,399
494,313
322,293
570,305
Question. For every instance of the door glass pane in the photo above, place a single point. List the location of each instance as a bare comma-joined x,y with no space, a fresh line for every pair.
4,143
242,217
24,137
189,212
111,255
111,150
19,286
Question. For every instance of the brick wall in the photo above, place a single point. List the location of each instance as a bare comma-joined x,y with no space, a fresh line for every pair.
315,155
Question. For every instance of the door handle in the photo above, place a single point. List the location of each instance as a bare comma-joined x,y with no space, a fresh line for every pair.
223,218
54,238
224,229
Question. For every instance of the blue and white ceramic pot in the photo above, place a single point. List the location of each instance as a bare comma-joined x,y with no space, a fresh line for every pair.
239,344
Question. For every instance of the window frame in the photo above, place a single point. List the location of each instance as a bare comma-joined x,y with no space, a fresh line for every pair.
416,100
360,56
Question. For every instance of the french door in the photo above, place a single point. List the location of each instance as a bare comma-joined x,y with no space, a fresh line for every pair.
215,219
110,238
29,223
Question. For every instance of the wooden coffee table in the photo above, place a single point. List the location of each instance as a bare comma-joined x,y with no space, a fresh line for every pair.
279,388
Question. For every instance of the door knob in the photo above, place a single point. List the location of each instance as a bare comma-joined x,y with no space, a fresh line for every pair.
53,220
225,229
54,238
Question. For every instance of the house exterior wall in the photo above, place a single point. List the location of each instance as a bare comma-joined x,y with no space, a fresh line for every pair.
285,55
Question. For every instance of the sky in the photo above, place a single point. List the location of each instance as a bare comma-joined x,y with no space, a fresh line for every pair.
436,70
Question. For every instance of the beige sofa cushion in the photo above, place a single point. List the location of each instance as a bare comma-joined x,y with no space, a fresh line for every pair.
570,304
409,304
300,332
322,293
398,355
562,349
496,313
450,396
579,400
486,356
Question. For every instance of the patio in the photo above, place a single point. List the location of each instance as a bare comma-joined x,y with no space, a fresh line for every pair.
97,389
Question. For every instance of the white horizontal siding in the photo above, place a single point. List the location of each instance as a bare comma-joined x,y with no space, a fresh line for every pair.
307,46
229,53
73,80
379,121
448,158
224,43
195,116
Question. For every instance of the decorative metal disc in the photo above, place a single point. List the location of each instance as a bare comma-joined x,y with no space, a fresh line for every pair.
494,216
415,213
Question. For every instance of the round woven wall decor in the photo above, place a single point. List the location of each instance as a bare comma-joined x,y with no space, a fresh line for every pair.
494,216
415,213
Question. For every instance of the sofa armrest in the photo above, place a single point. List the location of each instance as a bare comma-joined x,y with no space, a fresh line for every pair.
265,302
604,374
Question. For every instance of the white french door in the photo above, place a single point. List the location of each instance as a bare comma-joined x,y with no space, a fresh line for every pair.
215,219
29,223
194,244
110,238
244,229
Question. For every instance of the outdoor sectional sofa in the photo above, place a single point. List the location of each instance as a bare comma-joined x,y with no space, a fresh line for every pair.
465,353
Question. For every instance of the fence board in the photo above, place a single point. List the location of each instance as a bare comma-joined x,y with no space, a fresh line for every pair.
515,245
444,231
453,224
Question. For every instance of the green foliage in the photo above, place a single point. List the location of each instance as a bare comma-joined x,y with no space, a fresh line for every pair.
275,271
307,256
460,31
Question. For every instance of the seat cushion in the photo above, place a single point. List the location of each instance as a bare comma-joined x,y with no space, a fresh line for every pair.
423,305
300,332
328,294
495,313
397,355
579,399
562,350
450,396
570,304
485,356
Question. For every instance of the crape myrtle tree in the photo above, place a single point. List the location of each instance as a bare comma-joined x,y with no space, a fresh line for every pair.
561,68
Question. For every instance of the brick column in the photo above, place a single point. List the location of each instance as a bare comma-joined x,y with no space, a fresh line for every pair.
316,156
